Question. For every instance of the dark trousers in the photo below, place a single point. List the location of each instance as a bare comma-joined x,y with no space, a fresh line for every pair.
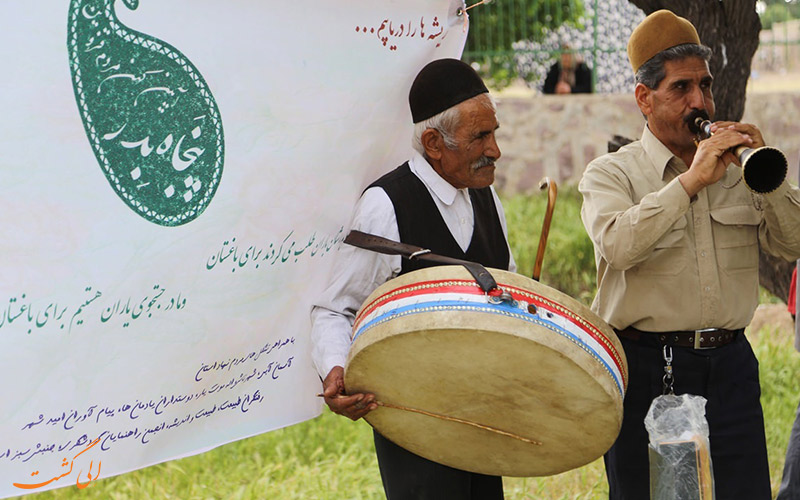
790,484
728,378
407,476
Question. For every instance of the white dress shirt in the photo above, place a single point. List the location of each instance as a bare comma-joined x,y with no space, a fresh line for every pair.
358,272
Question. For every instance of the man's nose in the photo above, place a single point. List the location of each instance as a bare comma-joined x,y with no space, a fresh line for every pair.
697,100
493,150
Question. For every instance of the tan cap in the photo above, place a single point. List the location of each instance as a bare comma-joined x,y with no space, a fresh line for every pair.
659,31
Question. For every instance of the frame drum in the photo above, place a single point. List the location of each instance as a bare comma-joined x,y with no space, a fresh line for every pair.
526,387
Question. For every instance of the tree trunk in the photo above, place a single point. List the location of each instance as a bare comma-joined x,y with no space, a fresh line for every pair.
730,29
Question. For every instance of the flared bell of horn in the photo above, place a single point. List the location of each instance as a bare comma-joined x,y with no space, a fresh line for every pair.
763,169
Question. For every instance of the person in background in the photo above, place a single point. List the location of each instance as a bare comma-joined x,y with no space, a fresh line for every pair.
676,242
568,75
790,484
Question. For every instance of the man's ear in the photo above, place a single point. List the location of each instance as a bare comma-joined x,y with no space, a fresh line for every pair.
433,143
643,98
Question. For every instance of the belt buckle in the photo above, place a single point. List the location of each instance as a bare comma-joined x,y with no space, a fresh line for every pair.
697,334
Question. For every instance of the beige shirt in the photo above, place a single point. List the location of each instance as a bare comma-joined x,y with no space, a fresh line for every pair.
666,263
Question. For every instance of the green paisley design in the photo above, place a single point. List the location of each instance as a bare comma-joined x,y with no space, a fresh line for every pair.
150,117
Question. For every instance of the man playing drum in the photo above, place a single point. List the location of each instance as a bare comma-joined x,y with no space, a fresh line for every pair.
676,240
441,199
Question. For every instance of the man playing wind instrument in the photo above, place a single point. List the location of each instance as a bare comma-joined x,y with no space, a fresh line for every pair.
676,240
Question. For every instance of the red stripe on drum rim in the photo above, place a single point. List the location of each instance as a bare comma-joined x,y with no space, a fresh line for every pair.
419,289
576,319
467,287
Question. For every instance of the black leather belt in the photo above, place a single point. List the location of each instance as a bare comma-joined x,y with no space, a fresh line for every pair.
697,339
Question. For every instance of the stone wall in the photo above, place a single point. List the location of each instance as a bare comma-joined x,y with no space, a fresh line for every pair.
557,136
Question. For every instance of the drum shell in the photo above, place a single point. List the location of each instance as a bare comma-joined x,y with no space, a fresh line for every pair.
505,370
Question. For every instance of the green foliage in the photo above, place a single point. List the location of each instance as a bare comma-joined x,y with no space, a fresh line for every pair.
779,11
494,28
499,71
568,263
778,371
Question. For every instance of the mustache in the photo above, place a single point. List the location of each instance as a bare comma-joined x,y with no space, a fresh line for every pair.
483,161
691,119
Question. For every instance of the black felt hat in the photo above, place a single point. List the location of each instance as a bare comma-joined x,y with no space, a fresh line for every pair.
442,84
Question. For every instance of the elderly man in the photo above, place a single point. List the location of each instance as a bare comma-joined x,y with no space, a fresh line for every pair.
440,199
676,240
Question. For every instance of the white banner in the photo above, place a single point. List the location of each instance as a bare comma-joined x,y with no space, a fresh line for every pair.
175,178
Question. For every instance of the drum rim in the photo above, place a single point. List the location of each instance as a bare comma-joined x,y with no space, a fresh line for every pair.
521,288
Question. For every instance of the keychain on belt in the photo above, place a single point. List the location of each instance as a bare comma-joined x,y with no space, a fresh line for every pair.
668,379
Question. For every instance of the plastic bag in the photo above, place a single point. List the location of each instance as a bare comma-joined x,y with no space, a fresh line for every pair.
680,458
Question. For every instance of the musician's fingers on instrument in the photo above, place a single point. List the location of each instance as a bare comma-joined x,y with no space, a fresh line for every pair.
343,404
727,138
367,403
715,126
753,132
715,146
748,129
354,406
710,161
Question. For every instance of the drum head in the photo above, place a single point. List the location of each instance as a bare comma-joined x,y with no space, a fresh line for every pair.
520,391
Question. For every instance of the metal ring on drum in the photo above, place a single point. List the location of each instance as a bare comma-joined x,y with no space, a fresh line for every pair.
531,386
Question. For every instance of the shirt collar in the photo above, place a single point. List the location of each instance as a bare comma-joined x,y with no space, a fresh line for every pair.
436,184
658,153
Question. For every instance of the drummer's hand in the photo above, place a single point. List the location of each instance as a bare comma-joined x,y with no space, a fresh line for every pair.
352,406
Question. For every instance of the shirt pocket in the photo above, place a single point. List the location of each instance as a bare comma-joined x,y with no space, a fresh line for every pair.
669,253
735,230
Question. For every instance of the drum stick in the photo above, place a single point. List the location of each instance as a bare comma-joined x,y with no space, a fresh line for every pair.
448,418
552,191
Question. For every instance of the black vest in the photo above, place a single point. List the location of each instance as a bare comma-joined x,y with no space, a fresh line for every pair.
421,224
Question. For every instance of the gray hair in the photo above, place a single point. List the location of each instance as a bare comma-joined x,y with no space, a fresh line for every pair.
652,72
446,123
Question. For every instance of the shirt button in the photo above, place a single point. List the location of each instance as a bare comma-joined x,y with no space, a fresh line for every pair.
703,254
463,220
708,289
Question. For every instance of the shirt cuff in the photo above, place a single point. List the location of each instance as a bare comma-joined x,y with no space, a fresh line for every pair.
674,195
328,363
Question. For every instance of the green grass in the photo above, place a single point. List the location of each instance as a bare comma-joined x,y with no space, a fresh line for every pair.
569,257
331,457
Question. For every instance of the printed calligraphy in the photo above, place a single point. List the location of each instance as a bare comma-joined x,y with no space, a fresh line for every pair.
388,32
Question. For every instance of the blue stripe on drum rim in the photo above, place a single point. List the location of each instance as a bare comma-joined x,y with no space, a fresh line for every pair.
502,309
